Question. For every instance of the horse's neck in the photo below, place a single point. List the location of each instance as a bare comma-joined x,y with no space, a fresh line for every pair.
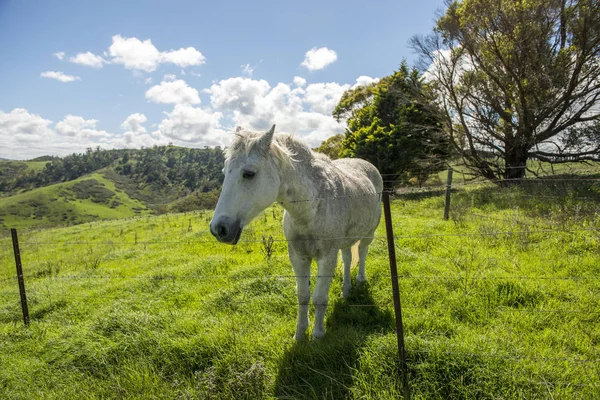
298,191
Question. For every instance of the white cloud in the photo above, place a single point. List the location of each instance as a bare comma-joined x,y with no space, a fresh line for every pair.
88,59
299,81
247,69
148,81
25,135
59,54
134,54
174,92
238,94
59,76
323,97
255,105
135,134
22,125
134,122
364,80
169,77
78,127
183,57
193,126
143,55
316,59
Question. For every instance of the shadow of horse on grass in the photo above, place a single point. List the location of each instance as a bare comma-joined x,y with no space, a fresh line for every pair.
323,369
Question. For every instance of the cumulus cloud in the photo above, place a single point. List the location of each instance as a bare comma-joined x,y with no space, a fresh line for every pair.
23,125
323,97
59,54
238,94
316,59
25,135
173,92
144,56
134,54
299,81
134,122
193,125
254,104
59,76
77,127
88,59
169,77
136,135
364,80
183,57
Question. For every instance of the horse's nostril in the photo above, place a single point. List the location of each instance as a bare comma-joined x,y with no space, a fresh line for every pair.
222,231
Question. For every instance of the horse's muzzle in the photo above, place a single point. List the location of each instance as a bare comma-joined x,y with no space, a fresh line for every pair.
226,230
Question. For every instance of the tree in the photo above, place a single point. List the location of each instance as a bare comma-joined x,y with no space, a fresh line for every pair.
392,124
517,80
332,147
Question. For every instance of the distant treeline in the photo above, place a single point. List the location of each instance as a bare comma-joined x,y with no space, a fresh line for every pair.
159,166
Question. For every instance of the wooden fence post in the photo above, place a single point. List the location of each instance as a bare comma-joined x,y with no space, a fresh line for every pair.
15,240
448,190
396,293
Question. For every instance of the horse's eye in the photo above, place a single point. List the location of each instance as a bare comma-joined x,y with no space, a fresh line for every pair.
248,174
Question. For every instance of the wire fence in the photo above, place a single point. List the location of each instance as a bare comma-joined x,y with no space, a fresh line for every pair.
41,274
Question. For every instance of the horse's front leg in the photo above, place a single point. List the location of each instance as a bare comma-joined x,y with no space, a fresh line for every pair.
301,265
326,270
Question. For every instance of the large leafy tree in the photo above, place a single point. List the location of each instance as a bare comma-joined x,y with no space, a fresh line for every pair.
392,124
517,79
332,147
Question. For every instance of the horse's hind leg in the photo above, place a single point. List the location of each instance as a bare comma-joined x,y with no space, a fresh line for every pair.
347,259
326,270
363,250
301,265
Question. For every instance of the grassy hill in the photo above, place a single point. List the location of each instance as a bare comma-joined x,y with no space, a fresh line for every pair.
500,301
52,191
85,199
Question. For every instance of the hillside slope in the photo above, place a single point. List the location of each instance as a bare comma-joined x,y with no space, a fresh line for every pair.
85,199
51,191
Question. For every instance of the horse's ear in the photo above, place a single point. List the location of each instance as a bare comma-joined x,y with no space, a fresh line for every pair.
265,140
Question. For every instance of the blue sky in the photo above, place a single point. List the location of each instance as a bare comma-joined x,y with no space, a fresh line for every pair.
75,74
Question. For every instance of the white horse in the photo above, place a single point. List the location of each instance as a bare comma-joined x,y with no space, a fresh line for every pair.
329,205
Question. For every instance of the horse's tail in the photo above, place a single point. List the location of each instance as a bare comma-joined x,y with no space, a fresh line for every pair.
355,255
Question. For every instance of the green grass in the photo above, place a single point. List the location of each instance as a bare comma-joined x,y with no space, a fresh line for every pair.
35,166
499,302
86,199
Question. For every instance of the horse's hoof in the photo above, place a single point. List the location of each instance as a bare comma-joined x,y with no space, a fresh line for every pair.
346,292
318,335
300,337
360,280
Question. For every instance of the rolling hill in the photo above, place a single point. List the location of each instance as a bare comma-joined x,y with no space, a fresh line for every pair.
107,184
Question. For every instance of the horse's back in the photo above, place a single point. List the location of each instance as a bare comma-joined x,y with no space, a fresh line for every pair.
359,168
362,186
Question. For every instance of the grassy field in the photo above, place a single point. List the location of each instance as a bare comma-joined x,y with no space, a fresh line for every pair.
82,200
499,302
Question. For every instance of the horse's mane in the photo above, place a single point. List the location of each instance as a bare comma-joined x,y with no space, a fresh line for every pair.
286,148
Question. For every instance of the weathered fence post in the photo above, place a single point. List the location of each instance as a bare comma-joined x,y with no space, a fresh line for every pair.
448,190
396,293
15,240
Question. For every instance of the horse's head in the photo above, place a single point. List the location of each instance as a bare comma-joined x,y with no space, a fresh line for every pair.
251,184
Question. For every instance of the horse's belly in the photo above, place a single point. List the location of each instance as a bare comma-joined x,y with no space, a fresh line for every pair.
307,245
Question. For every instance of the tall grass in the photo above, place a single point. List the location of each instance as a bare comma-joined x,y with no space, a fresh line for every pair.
499,302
